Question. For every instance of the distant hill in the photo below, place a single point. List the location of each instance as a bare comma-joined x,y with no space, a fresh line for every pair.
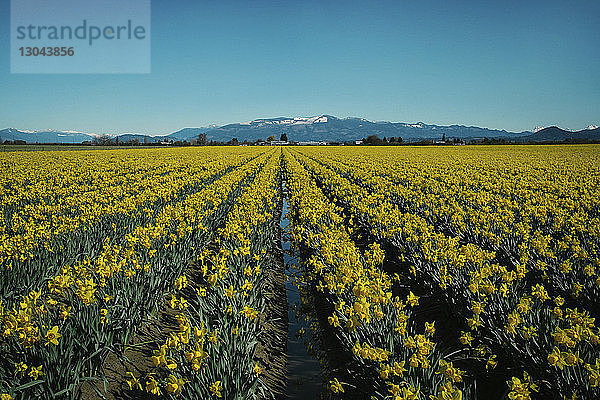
65,137
317,128
128,137
556,134
44,136
330,128
188,133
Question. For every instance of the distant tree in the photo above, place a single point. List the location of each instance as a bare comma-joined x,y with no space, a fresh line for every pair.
103,140
373,140
271,138
202,139
494,141
233,142
283,137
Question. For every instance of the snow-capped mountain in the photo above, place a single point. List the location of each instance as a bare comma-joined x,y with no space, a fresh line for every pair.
329,128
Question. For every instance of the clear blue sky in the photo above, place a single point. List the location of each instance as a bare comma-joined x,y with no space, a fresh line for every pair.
499,64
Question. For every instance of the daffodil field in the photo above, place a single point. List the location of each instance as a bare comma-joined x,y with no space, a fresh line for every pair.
425,273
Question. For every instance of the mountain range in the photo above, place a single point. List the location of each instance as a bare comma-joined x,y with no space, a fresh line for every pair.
318,128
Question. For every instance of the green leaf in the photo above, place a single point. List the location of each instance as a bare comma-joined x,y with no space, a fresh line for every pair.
28,385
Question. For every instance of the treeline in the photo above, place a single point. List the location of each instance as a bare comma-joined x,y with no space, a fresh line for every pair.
374,140
504,141
371,140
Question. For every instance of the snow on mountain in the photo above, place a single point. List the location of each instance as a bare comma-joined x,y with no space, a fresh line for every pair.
320,119
417,125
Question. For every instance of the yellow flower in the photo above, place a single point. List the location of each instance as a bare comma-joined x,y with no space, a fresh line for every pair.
257,370
466,338
474,322
181,282
336,386
521,389
52,336
174,385
412,299
540,292
36,372
449,371
20,368
394,390
171,364
334,320
103,313
413,361
213,336
249,312
159,356
230,292
477,307
152,386
132,381
216,388
491,362
430,327
66,311
571,358
384,372
398,368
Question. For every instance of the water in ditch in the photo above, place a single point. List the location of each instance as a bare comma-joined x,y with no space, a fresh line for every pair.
303,371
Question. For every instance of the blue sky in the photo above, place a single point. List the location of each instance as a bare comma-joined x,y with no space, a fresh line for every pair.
500,64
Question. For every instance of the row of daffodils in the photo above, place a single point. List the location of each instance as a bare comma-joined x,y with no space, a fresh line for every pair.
425,273
503,243
58,330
